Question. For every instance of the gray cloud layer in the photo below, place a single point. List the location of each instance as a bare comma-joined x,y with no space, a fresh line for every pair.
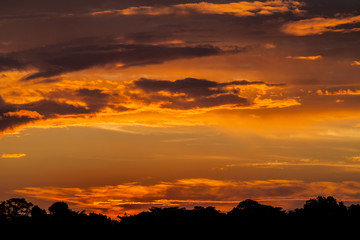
191,93
53,60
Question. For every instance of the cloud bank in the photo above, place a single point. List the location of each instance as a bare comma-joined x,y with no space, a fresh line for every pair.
189,94
54,60
238,9
192,93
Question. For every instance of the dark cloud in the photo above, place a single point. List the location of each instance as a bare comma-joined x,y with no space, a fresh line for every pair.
14,115
191,86
95,99
185,94
11,7
50,108
207,102
23,17
9,62
153,36
7,121
191,93
53,60
12,122
49,80
5,107
68,19
331,7
245,82
81,6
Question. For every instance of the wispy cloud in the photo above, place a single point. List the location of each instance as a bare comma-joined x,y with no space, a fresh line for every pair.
24,113
341,92
355,63
320,25
13,155
351,164
317,57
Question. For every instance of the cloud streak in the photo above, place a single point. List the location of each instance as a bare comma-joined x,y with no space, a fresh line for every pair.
311,58
339,92
238,9
53,60
13,155
321,25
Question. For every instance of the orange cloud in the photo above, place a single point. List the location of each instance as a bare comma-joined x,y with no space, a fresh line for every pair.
355,63
270,45
338,92
275,103
305,57
102,102
134,197
13,155
320,25
349,164
24,113
239,9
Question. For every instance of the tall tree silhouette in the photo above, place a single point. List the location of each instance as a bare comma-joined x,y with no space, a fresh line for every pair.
253,209
324,207
38,214
15,207
59,209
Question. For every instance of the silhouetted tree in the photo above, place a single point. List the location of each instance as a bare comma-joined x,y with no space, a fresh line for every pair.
170,211
206,212
38,214
322,214
354,210
100,218
253,209
59,209
324,207
15,207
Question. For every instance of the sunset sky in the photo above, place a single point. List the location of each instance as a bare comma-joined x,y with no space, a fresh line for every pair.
118,106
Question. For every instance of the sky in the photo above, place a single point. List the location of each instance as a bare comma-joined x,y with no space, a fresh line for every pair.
118,106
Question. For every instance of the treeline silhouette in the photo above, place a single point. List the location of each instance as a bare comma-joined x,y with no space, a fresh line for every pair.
323,215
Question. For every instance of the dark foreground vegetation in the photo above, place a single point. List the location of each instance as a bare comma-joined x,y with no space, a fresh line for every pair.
323,216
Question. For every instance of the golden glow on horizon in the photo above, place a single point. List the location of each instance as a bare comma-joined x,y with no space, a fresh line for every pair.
117,200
